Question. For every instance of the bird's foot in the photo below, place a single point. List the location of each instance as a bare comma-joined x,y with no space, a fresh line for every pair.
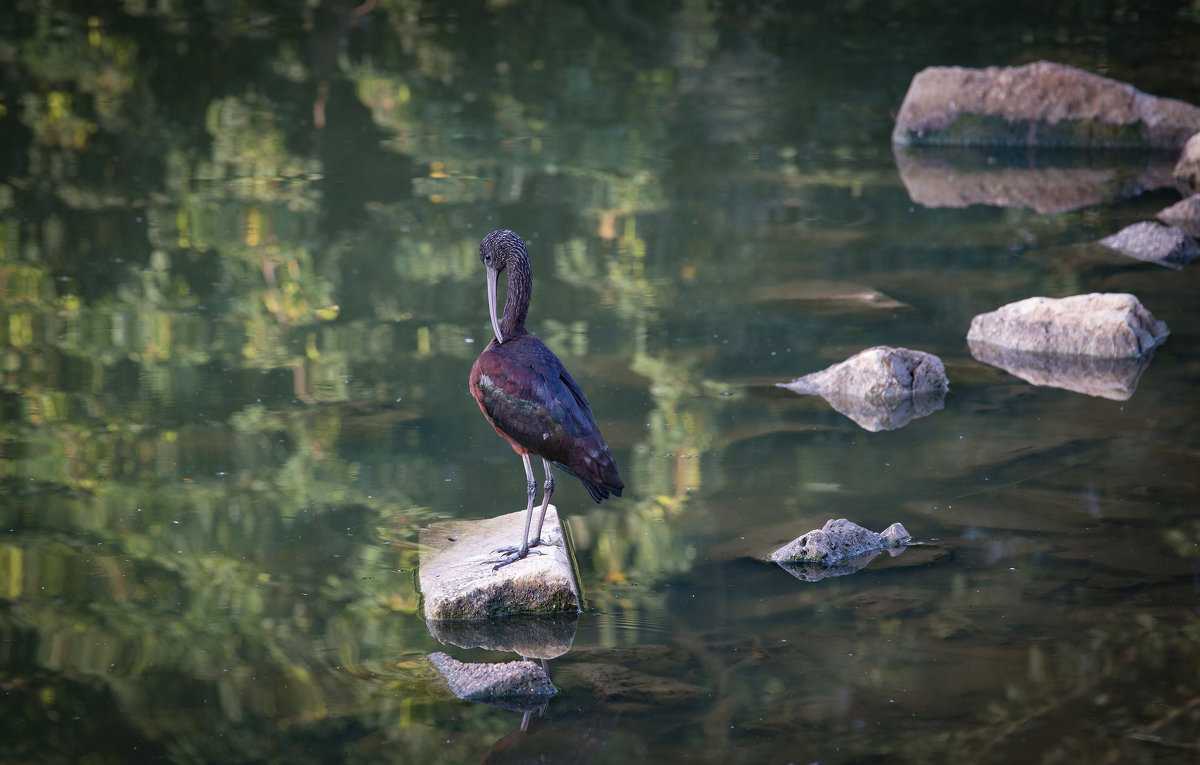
511,555
538,542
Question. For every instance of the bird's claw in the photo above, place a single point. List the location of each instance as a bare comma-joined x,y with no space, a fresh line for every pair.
539,542
514,554
511,555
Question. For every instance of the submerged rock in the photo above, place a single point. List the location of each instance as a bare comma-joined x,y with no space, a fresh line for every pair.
457,579
836,296
881,388
1184,215
888,600
1187,170
489,682
1100,325
1154,243
1039,104
1114,379
839,540
630,688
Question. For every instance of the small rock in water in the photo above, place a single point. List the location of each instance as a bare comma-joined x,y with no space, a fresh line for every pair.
1100,325
1184,215
1154,243
881,388
877,373
839,539
1187,171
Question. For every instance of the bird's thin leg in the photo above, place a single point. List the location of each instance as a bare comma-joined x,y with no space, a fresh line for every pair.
514,554
547,492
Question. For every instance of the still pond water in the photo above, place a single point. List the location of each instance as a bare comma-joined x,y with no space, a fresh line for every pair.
240,297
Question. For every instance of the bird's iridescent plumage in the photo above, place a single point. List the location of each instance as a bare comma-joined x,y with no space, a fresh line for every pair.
529,397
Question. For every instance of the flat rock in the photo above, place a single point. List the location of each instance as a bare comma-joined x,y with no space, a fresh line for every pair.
839,539
457,580
1114,379
1039,104
881,388
1154,243
1101,325
1187,170
488,681
1184,215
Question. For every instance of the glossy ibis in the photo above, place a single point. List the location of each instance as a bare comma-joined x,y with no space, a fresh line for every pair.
529,397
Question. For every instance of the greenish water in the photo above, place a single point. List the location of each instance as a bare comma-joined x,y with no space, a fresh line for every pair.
240,297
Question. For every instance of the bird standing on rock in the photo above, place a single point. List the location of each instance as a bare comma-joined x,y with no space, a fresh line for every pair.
530,398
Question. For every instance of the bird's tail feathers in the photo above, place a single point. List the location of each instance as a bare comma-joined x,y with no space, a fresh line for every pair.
601,489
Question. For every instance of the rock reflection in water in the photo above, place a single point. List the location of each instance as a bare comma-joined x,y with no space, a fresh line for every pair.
1046,181
545,636
893,414
576,736
1114,379
815,572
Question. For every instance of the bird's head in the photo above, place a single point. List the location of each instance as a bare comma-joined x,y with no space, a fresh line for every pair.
497,250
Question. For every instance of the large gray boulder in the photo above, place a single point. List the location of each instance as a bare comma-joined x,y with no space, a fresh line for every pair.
881,388
1039,104
1101,325
1154,243
457,578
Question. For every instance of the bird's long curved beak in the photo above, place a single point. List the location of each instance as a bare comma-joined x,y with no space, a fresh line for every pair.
491,290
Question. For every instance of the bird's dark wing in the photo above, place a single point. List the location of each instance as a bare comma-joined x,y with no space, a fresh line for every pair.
534,402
